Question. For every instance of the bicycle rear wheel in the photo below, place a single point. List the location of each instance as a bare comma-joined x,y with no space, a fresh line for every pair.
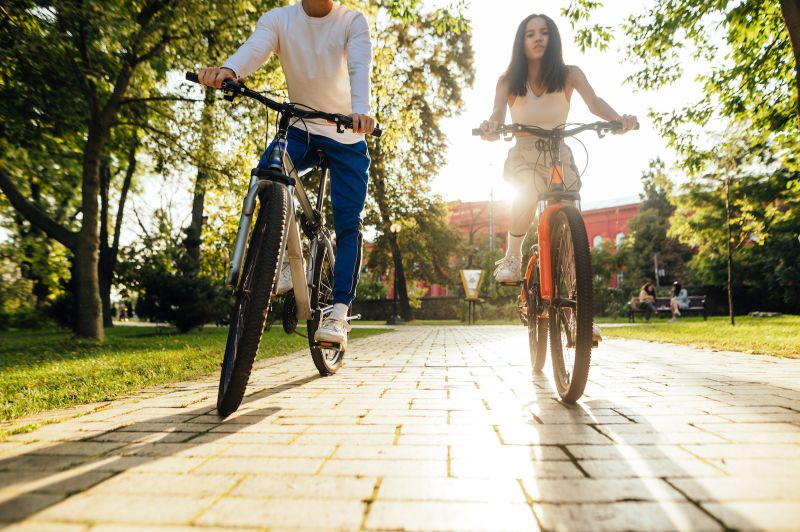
571,310
327,360
253,297
537,328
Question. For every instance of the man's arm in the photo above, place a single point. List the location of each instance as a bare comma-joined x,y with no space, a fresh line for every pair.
257,49
359,57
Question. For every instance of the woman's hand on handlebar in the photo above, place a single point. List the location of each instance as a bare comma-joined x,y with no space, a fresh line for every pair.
214,76
363,123
489,130
628,122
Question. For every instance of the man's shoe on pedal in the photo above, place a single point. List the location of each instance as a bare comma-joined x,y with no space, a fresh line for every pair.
333,331
508,270
284,279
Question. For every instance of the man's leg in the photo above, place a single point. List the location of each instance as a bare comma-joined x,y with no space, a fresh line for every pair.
349,171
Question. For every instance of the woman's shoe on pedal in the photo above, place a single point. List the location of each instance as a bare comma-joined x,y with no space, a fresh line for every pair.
333,332
508,270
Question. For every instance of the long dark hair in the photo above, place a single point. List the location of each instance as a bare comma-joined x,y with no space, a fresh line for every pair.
554,71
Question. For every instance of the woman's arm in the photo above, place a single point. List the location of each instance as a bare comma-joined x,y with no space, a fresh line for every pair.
598,106
498,116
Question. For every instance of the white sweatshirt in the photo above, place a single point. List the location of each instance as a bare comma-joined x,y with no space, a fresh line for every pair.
326,61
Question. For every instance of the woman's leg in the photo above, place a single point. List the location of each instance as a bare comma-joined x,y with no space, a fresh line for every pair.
509,269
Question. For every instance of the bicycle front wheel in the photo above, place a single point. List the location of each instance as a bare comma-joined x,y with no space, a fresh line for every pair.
253,297
571,309
327,360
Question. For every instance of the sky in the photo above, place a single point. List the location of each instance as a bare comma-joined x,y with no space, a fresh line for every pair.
616,162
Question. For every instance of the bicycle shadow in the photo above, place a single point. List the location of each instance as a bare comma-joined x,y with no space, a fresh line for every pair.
633,474
50,473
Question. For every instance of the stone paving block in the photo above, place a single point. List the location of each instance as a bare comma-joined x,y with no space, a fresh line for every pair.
60,482
344,439
743,515
739,489
314,514
490,468
391,452
161,484
374,468
746,450
450,516
451,489
649,467
592,490
508,453
249,450
551,435
127,508
651,516
21,506
616,452
168,464
305,487
43,527
252,465
762,467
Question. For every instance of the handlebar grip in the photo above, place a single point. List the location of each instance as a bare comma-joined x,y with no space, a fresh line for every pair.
192,76
377,132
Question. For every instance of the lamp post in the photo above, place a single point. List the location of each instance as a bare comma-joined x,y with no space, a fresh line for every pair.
395,319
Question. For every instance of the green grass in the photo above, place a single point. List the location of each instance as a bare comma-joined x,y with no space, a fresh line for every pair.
49,369
774,336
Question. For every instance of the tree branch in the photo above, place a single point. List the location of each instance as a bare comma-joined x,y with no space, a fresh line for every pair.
35,215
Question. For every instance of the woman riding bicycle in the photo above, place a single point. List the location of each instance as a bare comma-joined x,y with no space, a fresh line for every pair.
537,88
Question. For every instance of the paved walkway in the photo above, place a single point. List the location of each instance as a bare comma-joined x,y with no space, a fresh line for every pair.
431,428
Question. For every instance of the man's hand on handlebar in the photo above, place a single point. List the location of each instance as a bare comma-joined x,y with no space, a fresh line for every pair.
628,122
489,130
214,76
363,123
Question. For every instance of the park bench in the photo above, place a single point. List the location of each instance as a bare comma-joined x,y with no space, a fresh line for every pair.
697,306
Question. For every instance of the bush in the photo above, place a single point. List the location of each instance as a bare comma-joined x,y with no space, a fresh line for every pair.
609,301
27,318
188,302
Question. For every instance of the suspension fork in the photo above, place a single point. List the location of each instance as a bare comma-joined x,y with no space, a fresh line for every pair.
545,256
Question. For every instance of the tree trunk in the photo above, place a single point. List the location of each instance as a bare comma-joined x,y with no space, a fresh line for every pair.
108,253
89,322
791,16
402,290
103,271
194,233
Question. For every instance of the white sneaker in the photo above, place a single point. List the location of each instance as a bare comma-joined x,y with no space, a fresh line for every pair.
333,330
508,269
596,333
284,279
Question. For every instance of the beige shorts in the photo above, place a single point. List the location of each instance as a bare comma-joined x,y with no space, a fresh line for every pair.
526,166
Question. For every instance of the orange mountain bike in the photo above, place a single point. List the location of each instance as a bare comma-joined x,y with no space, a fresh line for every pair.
556,293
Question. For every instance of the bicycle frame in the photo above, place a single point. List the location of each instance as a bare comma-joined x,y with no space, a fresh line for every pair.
279,163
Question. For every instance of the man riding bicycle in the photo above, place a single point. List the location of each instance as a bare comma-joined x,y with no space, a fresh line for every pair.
325,53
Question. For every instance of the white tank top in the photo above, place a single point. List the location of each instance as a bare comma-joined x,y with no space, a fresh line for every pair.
547,111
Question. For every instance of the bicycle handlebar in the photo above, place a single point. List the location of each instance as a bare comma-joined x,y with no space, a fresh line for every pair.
599,127
233,88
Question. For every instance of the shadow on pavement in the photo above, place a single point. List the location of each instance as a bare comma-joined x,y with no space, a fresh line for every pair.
49,474
635,476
